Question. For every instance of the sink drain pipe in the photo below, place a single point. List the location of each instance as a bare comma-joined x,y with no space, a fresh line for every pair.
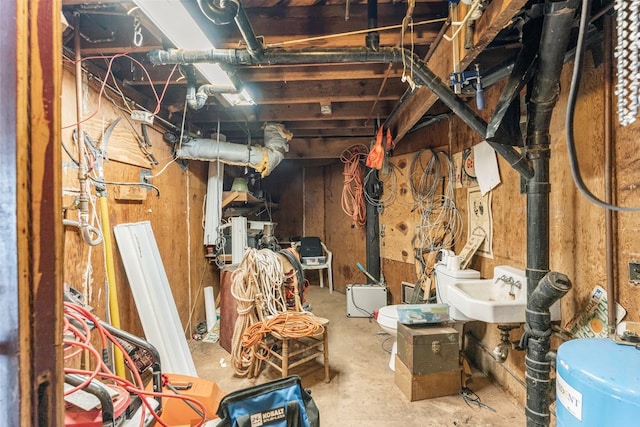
536,339
544,92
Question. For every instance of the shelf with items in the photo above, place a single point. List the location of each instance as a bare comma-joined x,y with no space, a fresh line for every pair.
242,203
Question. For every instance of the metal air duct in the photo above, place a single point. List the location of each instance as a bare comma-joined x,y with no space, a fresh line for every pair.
262,159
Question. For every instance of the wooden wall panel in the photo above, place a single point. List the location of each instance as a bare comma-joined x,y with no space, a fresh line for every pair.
285,186
346,242
175,216
313,199
399,219
394,274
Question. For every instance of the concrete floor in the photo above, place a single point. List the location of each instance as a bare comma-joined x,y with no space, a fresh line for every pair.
362,391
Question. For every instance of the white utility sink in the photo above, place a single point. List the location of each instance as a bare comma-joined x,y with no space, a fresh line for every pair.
502,299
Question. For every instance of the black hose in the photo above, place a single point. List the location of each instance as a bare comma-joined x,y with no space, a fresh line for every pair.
298,267
571,106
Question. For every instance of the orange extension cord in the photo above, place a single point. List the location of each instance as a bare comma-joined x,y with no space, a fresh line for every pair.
290,324
353,202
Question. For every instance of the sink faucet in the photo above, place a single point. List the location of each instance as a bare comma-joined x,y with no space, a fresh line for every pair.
510,281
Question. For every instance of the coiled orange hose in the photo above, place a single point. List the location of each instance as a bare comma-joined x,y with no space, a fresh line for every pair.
353,202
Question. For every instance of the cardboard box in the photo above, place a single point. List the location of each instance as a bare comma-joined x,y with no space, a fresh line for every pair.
426,386
428,349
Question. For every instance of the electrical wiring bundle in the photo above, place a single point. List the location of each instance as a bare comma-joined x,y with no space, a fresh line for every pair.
143,402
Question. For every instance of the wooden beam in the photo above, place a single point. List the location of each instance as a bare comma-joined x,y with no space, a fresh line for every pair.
36,93
328,90
295,23
334,91
321,148
296,112
318,72
285,73
495,17
300,129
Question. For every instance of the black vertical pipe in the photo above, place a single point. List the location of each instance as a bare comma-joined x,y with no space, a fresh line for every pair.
373,227
544,92
244,26
373,38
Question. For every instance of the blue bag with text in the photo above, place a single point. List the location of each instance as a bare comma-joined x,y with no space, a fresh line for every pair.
278,403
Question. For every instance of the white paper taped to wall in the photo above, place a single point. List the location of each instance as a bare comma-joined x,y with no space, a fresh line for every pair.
486,167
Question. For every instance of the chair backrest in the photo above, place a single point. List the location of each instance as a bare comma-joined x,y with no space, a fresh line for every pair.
310,247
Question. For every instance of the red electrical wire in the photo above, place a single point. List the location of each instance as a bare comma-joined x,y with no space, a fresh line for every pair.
104,83
77,338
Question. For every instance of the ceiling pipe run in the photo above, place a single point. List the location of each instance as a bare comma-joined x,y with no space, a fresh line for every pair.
262,159
422,74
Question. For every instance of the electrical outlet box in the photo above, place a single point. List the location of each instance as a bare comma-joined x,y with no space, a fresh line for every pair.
142,116
634,273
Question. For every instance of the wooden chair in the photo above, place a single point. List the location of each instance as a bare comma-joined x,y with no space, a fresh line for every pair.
288,352
293,338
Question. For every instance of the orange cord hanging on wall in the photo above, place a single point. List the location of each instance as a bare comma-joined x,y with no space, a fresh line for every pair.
376,155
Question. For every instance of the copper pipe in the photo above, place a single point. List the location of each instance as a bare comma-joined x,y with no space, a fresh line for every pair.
608,173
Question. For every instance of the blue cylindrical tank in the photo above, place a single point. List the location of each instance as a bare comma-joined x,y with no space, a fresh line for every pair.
597,384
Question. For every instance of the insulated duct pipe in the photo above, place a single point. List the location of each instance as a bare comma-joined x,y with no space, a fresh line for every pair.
222,12
262,159
422,74
544,92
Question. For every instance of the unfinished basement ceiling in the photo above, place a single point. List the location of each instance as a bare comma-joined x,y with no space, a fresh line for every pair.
317,103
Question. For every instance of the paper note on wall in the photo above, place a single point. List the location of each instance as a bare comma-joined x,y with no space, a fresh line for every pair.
486,167
480,220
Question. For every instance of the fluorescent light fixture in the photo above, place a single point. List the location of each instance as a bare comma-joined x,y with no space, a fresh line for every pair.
239,98
177,24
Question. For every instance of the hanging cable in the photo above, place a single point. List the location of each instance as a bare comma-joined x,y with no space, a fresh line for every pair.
571,106
389,186
440,223
353,203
